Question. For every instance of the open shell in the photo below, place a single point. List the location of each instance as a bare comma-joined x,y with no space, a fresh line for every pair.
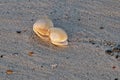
41,27
58,36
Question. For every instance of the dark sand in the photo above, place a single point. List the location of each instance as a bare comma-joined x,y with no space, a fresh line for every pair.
92,26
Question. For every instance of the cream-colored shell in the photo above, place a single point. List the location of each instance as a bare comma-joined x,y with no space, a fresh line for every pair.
41,27
58,36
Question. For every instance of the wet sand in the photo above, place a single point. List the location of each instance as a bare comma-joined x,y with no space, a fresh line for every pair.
93,26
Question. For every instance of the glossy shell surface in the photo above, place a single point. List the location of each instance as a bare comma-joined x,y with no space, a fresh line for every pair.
58,36
41,27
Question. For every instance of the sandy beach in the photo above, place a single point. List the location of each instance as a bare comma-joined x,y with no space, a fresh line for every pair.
93,52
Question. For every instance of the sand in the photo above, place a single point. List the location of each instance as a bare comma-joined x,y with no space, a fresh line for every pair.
92,26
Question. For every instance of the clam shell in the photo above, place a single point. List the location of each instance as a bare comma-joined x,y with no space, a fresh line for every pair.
41,27
39,34
58,36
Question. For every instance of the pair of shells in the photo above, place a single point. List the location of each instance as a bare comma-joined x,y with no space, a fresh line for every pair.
44,28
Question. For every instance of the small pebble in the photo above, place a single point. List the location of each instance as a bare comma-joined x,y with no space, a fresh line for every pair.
18,31
90,41
108,51
9,72
78,19
41,66
117,56
93,43
116,79
89,18
16,54
54,66
30,53
51,12
67,57
1,56
32,19
114,67
101,27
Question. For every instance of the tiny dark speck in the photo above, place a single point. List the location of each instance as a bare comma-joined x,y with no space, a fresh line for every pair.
93,43
1,56
116,79
89,18
51,12
117,56
67,57
101,27
41,66
78,19
18,31
32,19
114,67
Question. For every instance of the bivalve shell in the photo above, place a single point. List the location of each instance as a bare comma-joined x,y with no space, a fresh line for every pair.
58,36
41,27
